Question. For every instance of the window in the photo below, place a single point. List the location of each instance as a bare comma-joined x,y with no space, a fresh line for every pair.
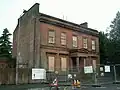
94,64
51,36
63,38
93,44
51,63
63,63
85,43
74,41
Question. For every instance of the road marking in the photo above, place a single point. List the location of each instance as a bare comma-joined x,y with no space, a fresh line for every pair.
83,87
118,87
100,87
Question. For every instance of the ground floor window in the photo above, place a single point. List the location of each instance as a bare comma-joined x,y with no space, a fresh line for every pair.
63,63
51,63
94,64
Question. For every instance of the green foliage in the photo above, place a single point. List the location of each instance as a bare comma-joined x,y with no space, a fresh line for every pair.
110,46
115,28
114,47
5,44
103,40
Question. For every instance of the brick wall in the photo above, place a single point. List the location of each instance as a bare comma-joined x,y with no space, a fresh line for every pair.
57,48
33,40
44,28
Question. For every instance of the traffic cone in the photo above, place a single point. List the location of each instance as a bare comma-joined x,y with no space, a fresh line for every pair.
55,82
78,83
74,83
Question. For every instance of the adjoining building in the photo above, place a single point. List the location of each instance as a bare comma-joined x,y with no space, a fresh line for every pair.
44,41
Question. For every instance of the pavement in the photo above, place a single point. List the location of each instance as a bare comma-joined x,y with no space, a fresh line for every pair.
109,86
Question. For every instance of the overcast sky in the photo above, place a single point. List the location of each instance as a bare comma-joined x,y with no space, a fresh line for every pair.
98,13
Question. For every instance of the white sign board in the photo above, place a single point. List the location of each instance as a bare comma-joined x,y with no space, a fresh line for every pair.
88,69
69,76
107,68
38,73
101,68
102,74
74,75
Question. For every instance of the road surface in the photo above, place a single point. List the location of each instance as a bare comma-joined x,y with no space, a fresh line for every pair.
103,87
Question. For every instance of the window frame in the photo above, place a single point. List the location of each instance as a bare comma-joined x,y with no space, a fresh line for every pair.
63,38
49,69
51,30
94,44
76,41
62,69
84,43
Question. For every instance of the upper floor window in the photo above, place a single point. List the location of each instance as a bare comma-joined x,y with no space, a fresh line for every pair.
74,41
51,36
85,43
63,38
93,44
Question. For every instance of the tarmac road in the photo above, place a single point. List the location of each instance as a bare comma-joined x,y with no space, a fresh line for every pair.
103,87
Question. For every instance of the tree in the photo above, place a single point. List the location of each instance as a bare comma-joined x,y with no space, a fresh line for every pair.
115,28
114,38
104,41
5,44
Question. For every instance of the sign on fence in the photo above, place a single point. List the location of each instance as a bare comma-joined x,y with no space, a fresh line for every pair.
69,76
107,68
38,73
101,69
88,69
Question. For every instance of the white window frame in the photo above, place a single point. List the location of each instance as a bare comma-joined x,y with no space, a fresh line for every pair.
84,62
94,62
75,42
51,38
63,38
85,43
93,45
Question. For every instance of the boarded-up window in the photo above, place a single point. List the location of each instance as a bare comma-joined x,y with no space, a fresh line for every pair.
51,63
74,41
63,63
94,64
51,36
93,44
85,43
84,62
63,38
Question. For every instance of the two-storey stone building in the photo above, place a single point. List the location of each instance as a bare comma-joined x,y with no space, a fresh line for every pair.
41,40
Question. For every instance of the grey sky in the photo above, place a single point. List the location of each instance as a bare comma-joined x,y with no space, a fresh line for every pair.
98,13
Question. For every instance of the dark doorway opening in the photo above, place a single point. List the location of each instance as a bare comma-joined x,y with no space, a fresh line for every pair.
74,63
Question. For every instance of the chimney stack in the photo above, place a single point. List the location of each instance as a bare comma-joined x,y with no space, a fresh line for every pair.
85,24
